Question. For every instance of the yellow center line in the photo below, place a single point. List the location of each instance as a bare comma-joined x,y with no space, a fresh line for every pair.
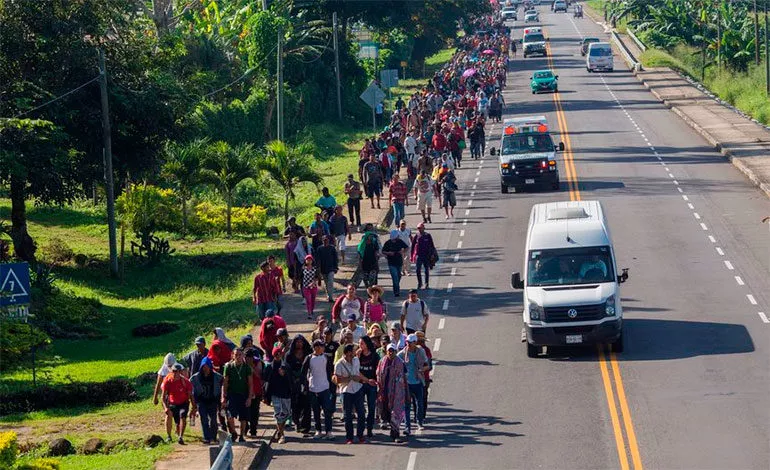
613,412
626,413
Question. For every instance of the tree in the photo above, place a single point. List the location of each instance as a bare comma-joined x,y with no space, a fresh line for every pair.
289,167
36,161
224,166
182,169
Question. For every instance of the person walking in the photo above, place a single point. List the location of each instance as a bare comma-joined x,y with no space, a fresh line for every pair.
326,255
317,375
340,231
392,390
399,198
299,350
375,309
424,255
416,364
405,235
347,376
358,331
373,175
448,188
206,396
254,361
221,350
311,277
347,303
423,191
326,202
237,391
276,273
394,250
397,336
421,342
330,351
354,193
177,391
192,361
278,391
292,264
414,313
317,230
370,256
368,360
265,291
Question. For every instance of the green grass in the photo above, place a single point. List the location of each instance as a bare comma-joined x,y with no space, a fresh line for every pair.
132,459
406,87
659,58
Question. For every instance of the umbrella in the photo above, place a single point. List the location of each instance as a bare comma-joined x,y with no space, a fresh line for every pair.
488,52
469,72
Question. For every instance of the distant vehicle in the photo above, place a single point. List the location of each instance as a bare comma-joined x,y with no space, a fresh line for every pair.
527,154
599,57
544,80
585,43
531,16
509,13
571,285
534,43
559,5
533,29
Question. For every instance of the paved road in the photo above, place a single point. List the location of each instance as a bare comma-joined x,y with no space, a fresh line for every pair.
691,390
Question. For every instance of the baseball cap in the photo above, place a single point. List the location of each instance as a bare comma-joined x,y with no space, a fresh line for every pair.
177,366
391,346
328,330
395,326
200,340
270,312
413,291
282,332
253,352
319,342
207,362
411,338
351,317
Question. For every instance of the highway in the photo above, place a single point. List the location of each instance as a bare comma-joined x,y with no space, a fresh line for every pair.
691,389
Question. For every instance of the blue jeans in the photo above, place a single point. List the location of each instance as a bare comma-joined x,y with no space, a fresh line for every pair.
422,262
208,412
395,276
370,392
416,391
322,401
355,401
398,212
263,307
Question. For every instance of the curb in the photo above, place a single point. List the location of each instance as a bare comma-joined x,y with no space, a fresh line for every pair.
264,445
726,152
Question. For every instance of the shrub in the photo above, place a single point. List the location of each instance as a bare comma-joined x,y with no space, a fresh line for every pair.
57,252
63,315
67,395
46,463
9,448
154,329
210,218
16,340
148,209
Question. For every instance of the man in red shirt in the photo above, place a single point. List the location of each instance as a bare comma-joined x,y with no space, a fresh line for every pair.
399,198
177,390
439,142
265,291
276,272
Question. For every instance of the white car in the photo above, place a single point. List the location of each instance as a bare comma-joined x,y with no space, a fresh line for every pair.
599,57
531,16
509,13
559,5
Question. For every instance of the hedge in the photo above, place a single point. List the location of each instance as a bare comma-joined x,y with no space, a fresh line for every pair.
68,395
8,449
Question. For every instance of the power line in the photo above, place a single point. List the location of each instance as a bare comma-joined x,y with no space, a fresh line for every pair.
57,98
230,84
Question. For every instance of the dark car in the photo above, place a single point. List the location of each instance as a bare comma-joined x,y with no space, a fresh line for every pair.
584,44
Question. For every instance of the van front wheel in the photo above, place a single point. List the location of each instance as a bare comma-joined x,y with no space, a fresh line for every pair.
617,346
532,350
503,188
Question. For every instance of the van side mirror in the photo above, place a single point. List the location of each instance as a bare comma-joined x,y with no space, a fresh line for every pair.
516,282
492,151
561,146
623,276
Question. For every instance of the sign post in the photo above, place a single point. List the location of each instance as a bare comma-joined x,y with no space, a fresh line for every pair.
15,290
372,96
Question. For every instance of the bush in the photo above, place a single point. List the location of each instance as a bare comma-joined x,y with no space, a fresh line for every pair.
67,395
63,315
41,464
154,329
148,209
210,219
17,340
57,252
9,448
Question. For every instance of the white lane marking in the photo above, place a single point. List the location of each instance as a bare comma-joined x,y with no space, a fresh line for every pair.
449,287
751,298
478,173
460,244
462,233
454,271
703,226
652,148
661,160
473,193
446,305
676,182
712,239
412,460
763,317
680,190
441,322
697,216
467,211
465,221
670,175
685,197
457,257
437,345
719,250
470,201
666,168
474,187
475,180
739,281
729,265
689,204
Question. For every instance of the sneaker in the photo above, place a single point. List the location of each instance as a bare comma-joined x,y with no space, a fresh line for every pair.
241,439
349,441
329,436
398,440
206,442
169,440
369,434
420,427
180,440
253,434
318,435
362,440
233,437
407,432
282,440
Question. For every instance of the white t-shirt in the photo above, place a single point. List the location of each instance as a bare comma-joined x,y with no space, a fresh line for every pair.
358,333
344,368
410,145
351,306
317,379
414,313
406,236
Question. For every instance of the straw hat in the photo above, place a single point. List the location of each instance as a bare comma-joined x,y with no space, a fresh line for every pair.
377,289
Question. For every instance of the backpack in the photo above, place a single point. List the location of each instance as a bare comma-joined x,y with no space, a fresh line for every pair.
422,306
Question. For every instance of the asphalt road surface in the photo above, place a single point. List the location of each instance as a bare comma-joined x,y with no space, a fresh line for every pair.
691,389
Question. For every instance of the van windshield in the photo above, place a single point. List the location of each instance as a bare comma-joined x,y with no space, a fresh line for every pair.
600,52
534,37
526,143
570,266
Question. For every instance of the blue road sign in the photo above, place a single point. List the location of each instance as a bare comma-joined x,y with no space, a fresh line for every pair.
14,284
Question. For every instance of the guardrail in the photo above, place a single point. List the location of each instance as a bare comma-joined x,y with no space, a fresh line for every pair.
224,460
636,40
632,62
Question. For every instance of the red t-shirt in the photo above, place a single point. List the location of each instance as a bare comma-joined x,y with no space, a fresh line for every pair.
220,354
178,390
439,142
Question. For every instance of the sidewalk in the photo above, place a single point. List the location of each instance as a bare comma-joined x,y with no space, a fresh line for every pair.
743,141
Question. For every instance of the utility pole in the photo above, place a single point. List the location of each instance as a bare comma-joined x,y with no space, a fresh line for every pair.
264,5
279,94
108,176
337,66
767,54
719,39
756,33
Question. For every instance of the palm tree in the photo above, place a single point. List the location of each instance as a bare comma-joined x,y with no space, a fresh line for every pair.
289,167
182,169
225,166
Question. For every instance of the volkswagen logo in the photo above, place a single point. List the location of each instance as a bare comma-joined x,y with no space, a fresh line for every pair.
572,313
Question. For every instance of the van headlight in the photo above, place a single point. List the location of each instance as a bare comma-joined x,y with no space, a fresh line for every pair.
609,306
535,311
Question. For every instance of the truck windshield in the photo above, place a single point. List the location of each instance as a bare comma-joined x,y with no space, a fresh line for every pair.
518,144
600,52
534,37
570,266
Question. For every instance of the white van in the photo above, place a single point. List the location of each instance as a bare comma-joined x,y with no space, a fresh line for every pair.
571,281
599,57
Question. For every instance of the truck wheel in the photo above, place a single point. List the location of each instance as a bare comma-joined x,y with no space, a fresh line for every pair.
503,188
556,90
532,350
617,346
533,92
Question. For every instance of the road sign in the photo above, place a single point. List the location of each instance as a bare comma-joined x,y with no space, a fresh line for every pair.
14,284
404,63
389,78
368,50
373,95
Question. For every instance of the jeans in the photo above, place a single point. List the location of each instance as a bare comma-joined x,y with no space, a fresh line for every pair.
208,413
263,307
310,293
322,401
329,281
395,276
422,262
398,212
355,401
300,411
254,415
354,209
370,392
416,392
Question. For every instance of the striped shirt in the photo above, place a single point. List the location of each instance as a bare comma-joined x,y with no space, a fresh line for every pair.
265,287
398,192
